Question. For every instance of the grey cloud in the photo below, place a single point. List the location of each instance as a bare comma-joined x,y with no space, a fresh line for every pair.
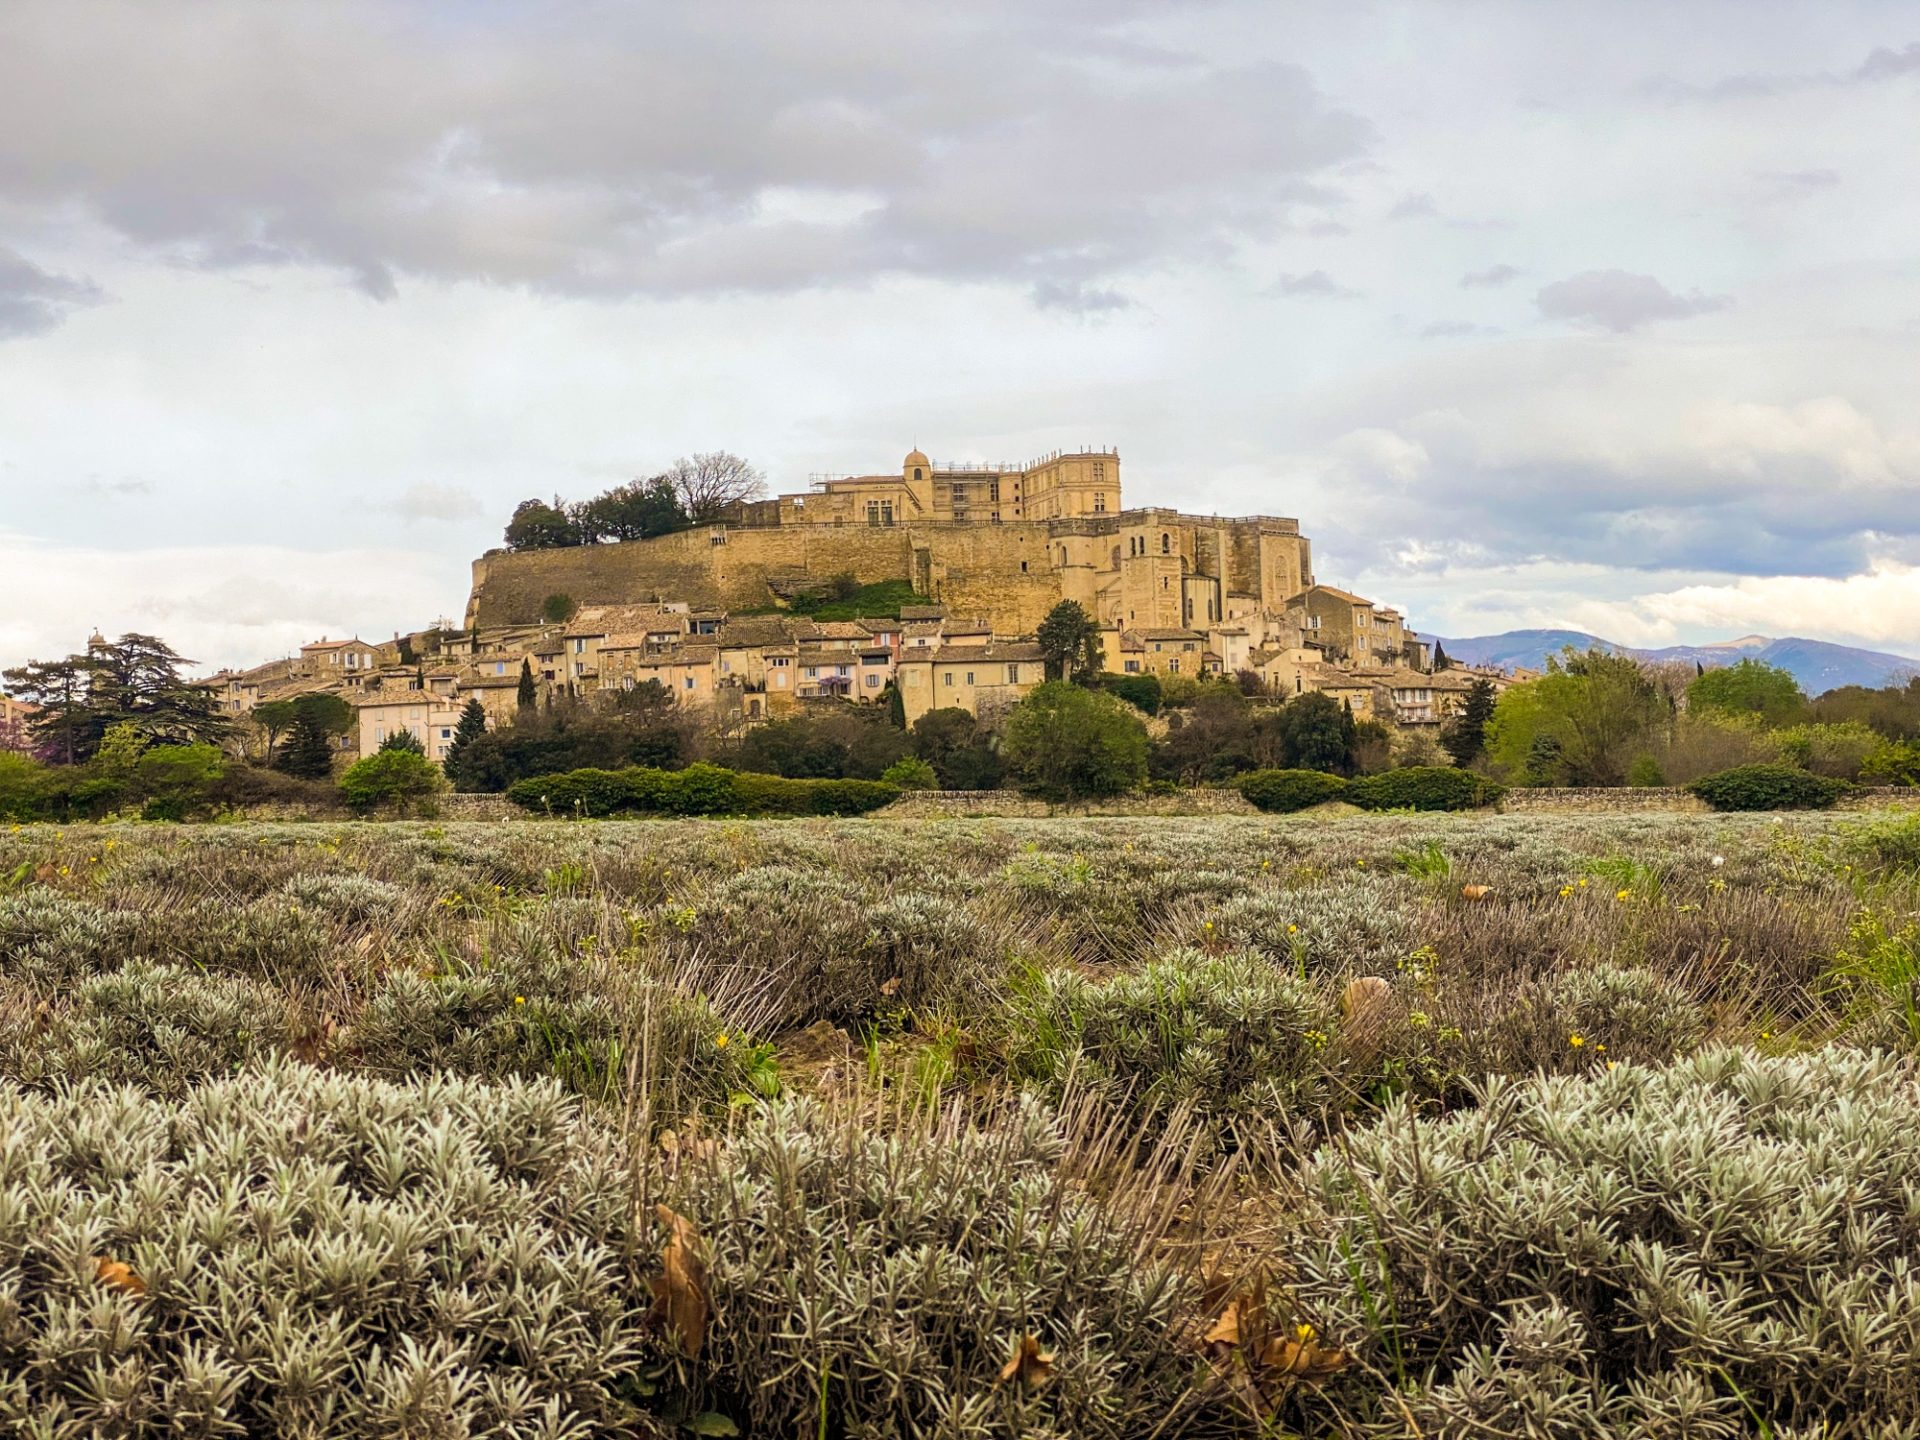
1886,64
1883,63
1796,184
1314,285
113,489
1619,301
1078,299
656,149
1447,329
427,501
34,301
1413,207
1492,276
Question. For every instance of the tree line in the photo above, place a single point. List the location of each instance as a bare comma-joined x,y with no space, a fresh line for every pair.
694,490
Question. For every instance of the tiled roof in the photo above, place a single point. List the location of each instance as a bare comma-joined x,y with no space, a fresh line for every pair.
1002,650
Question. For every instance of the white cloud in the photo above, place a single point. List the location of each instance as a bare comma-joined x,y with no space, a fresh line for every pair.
1879,608
225,605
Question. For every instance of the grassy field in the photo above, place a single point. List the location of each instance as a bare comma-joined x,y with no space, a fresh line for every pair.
1389,1125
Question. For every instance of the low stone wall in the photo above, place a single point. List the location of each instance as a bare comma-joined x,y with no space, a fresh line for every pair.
1622,799
445,807
938,804
1616,799
1881,797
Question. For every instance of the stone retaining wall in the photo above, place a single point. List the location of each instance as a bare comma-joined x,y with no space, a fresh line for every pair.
934,804
1672,798
1010,804
1569,797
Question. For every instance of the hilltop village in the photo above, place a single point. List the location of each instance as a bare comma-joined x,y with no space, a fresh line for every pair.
961,563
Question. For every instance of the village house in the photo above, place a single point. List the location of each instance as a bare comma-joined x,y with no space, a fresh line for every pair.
976,678
430,719
334,659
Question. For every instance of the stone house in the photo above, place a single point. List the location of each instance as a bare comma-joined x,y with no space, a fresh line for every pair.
969,677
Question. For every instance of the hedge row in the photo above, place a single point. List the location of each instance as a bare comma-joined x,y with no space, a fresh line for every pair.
696,790
1418,787
1769,787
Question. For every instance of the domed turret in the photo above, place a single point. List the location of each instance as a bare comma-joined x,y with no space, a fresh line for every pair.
916,465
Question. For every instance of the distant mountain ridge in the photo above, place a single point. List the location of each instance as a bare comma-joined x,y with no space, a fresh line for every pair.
1817,664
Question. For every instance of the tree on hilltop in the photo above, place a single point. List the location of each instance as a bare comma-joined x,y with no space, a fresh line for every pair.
706,485
636,511
537,525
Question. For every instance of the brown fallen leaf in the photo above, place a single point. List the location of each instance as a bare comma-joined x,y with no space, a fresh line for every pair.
680,1298
890,987
1476,892
118,1274
1029,1365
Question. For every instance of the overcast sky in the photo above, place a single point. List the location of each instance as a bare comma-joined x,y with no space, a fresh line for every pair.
1604,315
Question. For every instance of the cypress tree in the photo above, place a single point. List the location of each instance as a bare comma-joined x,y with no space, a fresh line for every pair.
527,696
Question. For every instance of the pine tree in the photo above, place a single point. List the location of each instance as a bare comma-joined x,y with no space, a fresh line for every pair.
403,740
1465,739
308,752
1070,640
527,696
473,724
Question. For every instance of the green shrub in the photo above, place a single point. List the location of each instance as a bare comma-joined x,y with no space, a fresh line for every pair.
24,787
910,772
1720,1247
1769,787
402,779
320,1254
941,1240
1282,791
1424,787
697,790
1646,773
1140,691
587,792
1232,1039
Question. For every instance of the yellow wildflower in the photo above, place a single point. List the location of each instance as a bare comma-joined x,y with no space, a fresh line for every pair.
1293,929
519,999
1566,890
1575,1041
1305,1332
720,1040
1623,894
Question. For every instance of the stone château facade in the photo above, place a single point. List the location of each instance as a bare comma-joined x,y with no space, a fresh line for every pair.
1003,541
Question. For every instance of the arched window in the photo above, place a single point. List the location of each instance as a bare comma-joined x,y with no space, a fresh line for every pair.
916,472
1166,543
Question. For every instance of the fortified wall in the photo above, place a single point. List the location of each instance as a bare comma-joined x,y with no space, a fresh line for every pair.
1146,568
1005,543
